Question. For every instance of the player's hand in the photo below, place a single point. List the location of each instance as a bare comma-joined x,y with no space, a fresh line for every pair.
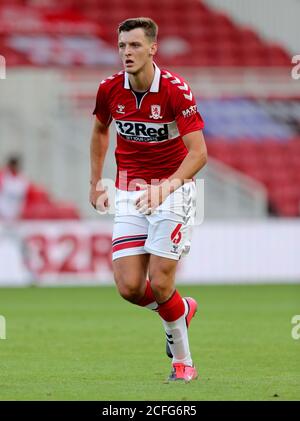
99,197
152,197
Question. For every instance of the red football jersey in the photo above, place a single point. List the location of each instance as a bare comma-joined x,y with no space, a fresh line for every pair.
149,134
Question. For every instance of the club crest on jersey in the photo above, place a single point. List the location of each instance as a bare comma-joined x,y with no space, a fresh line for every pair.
155,112
120,109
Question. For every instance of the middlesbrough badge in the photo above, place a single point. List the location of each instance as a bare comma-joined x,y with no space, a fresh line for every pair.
155,112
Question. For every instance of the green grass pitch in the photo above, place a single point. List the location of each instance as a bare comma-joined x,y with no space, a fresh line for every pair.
89,344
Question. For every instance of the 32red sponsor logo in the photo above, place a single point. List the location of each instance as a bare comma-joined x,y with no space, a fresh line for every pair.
68,253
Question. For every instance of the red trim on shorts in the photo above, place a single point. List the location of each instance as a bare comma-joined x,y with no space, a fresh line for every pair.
122,246
129,237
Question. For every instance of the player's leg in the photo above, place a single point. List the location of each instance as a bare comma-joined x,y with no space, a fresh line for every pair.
130,260
173,309
130,274
168,235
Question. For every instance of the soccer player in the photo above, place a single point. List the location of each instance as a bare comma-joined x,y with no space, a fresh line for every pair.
160,148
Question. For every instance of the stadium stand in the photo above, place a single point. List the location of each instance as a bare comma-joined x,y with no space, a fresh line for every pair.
273,163
22,199
257,136
208,38
39,205
262,139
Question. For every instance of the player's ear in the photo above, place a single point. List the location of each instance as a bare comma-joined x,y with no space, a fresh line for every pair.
153,49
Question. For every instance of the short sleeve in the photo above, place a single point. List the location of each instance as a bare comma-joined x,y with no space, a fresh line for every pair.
102,110
187,116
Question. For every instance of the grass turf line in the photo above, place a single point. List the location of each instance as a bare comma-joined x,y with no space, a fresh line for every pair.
89,344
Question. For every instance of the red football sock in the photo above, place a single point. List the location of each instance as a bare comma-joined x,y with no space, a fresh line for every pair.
172,309
148,297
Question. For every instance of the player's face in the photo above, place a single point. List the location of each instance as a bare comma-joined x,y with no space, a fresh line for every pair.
135,50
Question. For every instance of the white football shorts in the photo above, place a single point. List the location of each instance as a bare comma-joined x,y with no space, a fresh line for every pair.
166,232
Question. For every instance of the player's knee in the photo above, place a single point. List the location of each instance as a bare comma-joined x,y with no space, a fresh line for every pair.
162,283
130,294
162,276
129,288
162,290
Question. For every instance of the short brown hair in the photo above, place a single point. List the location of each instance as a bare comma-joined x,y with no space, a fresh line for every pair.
148,25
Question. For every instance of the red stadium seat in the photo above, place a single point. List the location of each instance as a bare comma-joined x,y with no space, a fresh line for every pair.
50,211
230,44
288,208
275,164
39,205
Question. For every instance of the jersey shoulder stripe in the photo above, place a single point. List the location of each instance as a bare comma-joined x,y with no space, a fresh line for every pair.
179,83
115,77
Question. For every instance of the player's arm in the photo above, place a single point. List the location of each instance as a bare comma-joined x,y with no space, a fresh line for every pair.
98,149
195,159
190,124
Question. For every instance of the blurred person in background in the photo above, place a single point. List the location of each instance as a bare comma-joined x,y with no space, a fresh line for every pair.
14,189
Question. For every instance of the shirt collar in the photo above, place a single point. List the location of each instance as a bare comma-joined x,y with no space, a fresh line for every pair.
155,83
